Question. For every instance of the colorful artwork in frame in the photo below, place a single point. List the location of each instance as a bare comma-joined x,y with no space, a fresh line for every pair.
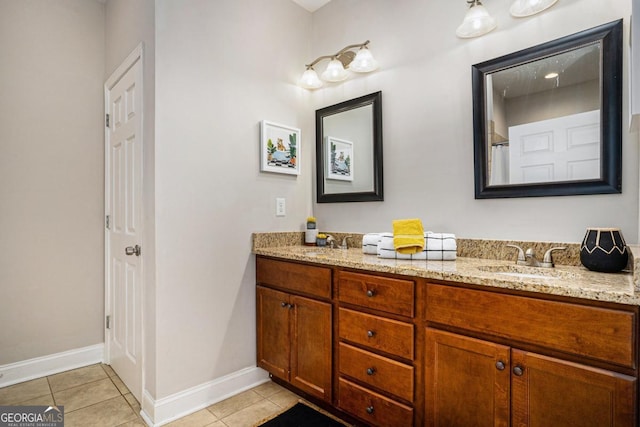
340,159
279,148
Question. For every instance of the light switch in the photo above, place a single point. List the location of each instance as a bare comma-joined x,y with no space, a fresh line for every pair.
281,207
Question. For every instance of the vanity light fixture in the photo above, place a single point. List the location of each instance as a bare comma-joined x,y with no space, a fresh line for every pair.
523,8
477,21
336,71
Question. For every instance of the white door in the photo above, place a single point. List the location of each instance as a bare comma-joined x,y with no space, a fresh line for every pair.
561,149
124,255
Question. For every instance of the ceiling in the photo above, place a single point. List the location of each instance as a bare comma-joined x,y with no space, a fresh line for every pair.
312,5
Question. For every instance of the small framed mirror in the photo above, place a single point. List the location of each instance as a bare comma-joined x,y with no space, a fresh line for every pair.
547,121
349,151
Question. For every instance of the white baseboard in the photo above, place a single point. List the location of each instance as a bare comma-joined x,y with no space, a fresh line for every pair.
164,410
38,367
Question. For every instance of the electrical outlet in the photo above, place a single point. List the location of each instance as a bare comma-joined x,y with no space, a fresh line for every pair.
281,206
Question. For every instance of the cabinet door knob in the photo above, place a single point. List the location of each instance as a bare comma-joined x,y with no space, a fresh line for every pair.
371,293
500,365
291,306
283,304
370,334
369,409
518,371
371,371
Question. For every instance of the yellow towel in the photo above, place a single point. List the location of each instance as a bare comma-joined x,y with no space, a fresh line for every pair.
408,236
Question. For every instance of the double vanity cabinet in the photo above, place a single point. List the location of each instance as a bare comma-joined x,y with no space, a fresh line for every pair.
398,350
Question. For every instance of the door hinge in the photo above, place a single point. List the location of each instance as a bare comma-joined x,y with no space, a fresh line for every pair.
107,222
108,322
107,120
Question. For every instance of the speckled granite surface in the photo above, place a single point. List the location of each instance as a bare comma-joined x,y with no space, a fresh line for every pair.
474,266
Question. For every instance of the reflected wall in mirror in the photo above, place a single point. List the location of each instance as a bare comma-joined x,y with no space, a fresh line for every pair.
349,150
548,119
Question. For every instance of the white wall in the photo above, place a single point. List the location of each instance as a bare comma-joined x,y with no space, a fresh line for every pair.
425,79
51,177
129,23
221,67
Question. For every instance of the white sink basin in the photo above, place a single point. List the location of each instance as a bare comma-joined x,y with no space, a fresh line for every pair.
524,272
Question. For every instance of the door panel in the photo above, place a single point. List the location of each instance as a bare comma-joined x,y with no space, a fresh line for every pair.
273,333
559,393
464,387
124,208
311,348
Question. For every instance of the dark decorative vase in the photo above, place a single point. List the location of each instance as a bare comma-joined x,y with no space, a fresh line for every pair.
604,250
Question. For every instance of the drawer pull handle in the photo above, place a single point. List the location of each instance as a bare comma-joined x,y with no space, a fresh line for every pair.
371,293
369,409
371,334
500,365
518,371
371,371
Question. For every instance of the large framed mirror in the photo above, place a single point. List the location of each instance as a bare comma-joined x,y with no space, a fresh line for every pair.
547,121
349,151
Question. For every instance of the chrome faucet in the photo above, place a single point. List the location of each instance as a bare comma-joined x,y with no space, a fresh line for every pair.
331,241
528,257
345,242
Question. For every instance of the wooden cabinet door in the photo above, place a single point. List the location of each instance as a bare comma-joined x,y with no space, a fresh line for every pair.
552,392
273,335
467,381
311,346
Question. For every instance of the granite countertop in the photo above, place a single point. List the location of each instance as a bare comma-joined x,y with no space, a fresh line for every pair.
572,281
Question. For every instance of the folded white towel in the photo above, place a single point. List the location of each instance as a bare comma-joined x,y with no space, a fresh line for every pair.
370,243
437,247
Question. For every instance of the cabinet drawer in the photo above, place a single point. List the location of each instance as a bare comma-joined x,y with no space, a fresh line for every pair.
386,374
594,332
372,407
380,293
377,332
295,277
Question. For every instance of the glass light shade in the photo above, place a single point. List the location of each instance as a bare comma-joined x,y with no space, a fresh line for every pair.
522,8
363,62
310,79
477,22
335,72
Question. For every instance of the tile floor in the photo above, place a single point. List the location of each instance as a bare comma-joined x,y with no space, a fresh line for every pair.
94,396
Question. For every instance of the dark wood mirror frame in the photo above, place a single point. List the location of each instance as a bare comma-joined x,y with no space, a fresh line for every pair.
377,194
610,36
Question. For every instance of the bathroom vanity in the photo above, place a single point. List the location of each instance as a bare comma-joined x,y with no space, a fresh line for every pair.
446,343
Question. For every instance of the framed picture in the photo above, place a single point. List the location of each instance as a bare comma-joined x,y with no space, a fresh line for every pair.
279,148
340,162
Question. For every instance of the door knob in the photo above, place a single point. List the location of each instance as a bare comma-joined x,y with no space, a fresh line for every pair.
518,371
133,250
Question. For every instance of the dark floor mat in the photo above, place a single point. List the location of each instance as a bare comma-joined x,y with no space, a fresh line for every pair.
301,416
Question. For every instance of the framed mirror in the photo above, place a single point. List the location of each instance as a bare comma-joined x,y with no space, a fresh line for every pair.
547,121
349,150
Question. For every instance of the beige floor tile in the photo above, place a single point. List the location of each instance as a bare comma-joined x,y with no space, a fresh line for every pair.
135,423
109,370
76,377
42,400
217,424
113,412
197,419
284,398
131,400
268,388
235,403
86,395
250,416
14,394
121,387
